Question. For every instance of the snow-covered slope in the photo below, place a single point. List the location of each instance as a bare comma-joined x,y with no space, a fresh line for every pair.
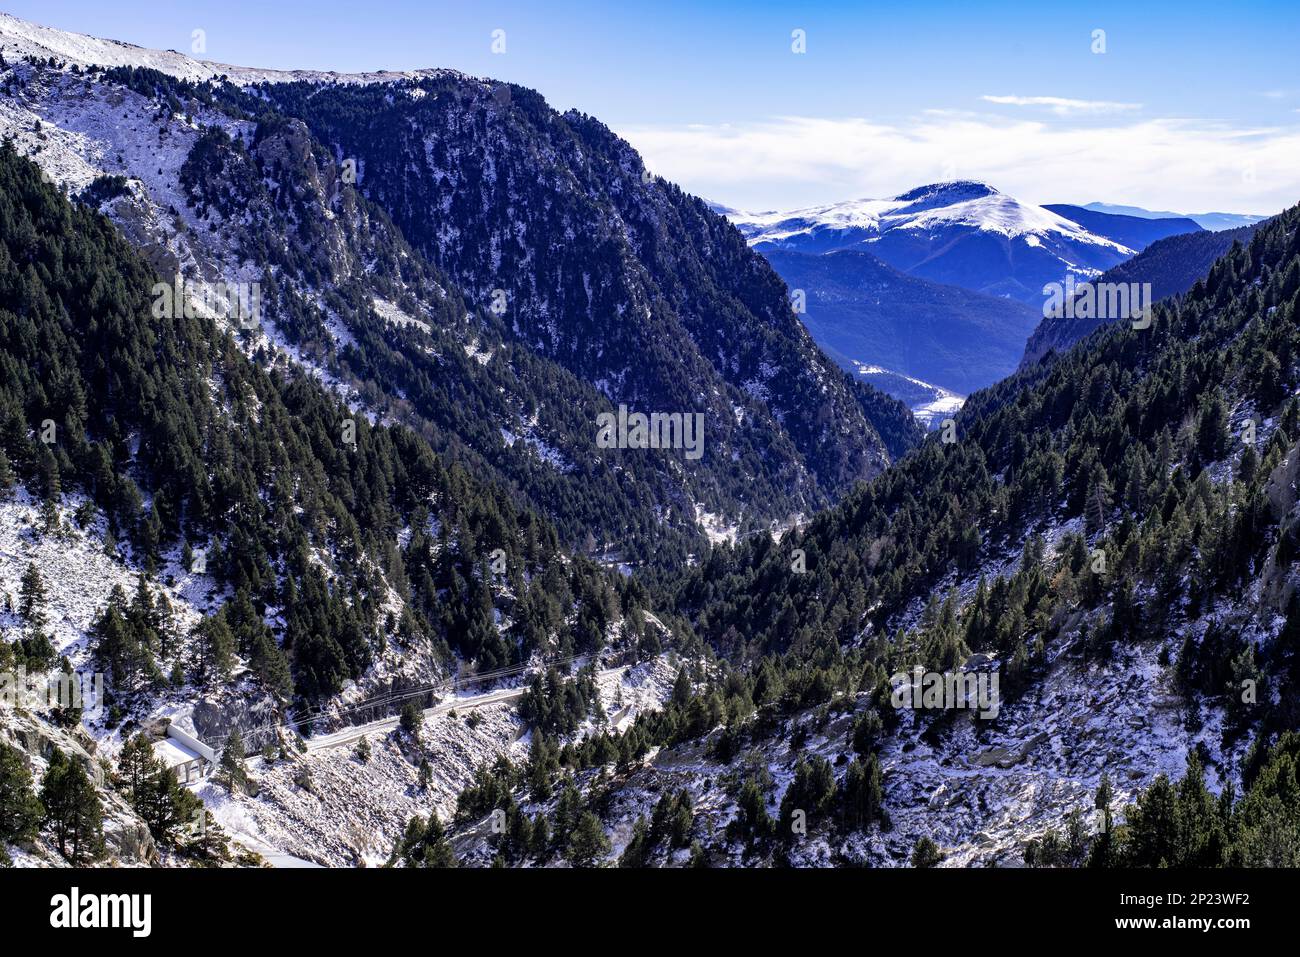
965,233
980,794
320,804
332,807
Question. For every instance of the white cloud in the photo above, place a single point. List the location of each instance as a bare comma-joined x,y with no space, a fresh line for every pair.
1062,106
790,161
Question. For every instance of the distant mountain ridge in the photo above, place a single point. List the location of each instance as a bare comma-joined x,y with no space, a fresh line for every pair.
1136,232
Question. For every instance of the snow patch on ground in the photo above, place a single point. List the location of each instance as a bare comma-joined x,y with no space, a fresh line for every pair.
78,575
716,527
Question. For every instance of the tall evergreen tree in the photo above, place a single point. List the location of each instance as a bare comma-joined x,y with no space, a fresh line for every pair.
32,597
74,815
588,843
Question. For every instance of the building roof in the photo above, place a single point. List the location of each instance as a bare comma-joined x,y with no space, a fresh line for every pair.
172,753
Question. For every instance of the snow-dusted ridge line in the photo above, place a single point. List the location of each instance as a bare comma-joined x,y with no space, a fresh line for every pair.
24,38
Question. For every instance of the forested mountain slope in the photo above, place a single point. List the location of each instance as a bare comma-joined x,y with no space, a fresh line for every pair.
281,553
614,273
1132,425
211,182
348,534
1170,265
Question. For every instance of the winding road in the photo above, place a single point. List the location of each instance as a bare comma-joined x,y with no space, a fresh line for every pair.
338,739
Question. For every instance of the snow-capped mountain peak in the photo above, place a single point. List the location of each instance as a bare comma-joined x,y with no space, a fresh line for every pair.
963,233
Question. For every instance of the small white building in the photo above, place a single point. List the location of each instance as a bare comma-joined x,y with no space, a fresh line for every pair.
185,755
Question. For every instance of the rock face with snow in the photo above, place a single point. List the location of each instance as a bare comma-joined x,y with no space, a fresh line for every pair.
336,807
24,38
963,233
979,790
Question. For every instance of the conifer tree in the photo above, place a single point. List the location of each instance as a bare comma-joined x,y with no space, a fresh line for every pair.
31,598
437,850
588,843
135,766
1212,428
863,794
120,650
73,813
423,844
698,857
411,719
926,854
214,649
540,841
153,791
636,852
232,771
1098,502
271,666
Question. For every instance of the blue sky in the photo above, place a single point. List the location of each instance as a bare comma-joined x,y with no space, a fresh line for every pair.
1191,106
